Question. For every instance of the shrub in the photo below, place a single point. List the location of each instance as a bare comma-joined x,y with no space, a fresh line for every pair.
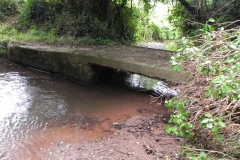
7,8
208,111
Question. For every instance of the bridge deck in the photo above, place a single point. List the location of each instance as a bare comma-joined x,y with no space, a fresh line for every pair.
149,62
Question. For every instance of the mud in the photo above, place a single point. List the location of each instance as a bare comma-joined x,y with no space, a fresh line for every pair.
140,137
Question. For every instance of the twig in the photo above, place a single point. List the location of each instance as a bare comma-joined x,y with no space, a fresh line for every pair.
222,8
211,151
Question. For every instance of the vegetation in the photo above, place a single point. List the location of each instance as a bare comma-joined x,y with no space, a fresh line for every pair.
84,22
207,112
189,15
7,8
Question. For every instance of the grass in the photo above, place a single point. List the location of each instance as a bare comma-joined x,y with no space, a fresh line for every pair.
171,45
11,34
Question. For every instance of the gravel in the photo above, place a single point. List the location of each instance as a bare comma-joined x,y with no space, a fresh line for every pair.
154,45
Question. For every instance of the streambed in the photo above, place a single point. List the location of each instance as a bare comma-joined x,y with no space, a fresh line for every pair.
39,109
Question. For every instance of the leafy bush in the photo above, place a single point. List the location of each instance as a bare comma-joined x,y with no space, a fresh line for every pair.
7,8
208,111
179,18
83,20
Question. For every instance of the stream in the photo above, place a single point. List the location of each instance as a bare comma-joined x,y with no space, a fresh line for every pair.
39,109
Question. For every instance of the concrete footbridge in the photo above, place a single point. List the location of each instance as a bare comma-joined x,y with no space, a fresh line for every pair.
88,63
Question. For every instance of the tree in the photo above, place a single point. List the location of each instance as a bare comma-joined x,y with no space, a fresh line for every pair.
202,10
109,19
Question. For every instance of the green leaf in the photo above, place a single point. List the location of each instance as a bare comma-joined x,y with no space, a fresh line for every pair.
215,129
180,106
223,94
235,96
178,121
207,93
174,63
169,103
221,124
235,42
209,125
215,94
211,20
232,46
184,114
229,59
203,155
168,128
228,88
205,28
208,115
205,71
223,69
205,120
211,87
189,126
179,69
211,28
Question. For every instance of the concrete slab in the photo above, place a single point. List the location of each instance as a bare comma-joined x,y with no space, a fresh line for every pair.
149,62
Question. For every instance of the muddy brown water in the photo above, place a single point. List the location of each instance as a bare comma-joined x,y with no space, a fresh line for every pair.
39,109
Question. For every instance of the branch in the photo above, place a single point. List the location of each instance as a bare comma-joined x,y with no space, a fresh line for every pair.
211,151
222,8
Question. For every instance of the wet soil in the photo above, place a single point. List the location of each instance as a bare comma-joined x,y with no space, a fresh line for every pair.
139,137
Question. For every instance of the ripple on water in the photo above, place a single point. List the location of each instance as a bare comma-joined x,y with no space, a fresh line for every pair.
38,109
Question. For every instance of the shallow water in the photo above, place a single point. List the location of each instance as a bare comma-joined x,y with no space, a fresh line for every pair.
39,109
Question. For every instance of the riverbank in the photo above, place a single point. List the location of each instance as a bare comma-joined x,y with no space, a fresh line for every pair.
141,137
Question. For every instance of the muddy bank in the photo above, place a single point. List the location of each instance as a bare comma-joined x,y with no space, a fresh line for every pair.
7,64
140,137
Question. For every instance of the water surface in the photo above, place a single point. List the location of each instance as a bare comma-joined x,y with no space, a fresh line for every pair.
39,109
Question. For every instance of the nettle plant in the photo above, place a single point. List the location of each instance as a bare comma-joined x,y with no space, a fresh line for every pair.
208,109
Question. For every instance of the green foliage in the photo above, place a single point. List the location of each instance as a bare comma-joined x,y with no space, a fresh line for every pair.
189,19
164,32
210,103
181,126
116,21
126,28
228,13
7,8
171,45
179,18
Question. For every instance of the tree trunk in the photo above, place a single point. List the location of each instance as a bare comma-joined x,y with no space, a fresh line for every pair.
193,10
103,9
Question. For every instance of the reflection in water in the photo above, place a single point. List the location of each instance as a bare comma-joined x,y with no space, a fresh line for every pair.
156,87
37,109
24,108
